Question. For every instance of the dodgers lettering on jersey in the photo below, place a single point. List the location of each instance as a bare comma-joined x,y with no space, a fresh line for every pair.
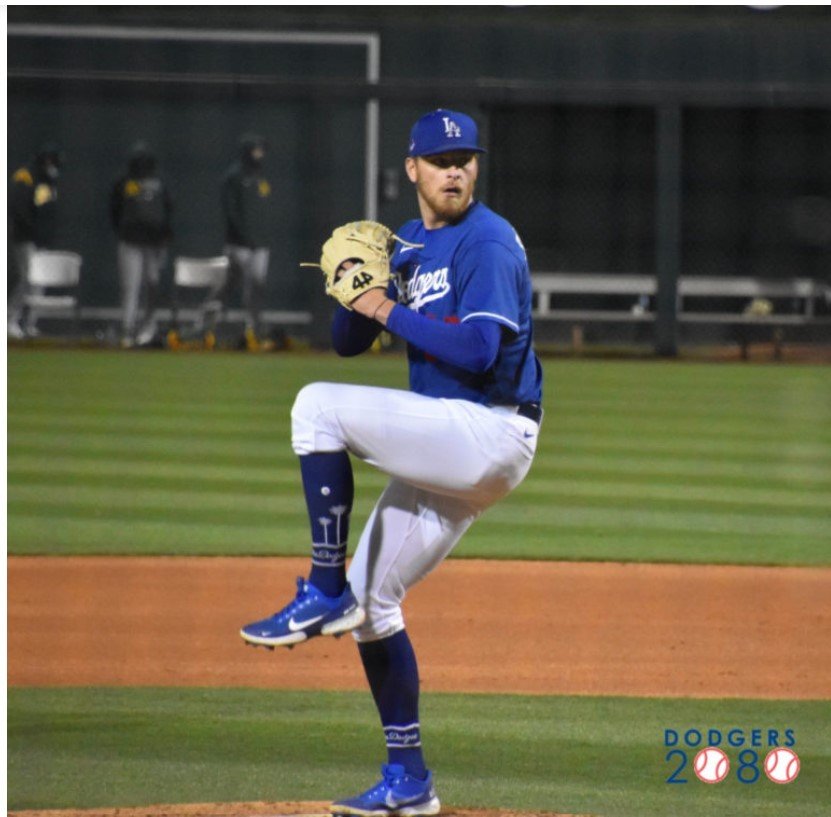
475,269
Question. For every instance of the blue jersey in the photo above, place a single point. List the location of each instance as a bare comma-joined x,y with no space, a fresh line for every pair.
473,270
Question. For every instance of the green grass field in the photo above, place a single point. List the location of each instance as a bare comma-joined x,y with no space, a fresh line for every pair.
189,454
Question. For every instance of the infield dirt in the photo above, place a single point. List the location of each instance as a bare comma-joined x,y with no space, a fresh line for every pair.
478,626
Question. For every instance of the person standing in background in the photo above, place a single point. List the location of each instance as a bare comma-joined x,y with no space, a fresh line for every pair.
32,226
141,210
247,207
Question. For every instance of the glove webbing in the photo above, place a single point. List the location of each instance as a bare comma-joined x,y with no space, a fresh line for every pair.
366,241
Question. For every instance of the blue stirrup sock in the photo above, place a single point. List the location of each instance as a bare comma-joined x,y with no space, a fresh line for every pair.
392,672
329,489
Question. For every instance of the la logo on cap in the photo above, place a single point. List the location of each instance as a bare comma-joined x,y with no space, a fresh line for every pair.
444,130
451,129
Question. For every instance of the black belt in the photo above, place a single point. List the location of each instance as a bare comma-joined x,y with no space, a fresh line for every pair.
533,411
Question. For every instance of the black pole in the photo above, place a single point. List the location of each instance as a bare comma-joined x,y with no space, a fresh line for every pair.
668,228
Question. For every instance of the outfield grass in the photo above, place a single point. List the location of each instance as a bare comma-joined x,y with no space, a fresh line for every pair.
160,453
111,747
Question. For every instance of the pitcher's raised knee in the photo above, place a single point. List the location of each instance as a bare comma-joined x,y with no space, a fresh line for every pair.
313,424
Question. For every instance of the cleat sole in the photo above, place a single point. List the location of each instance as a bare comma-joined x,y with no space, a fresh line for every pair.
345,623
283,641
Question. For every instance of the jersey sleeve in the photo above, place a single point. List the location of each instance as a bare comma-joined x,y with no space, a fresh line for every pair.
488,284
353,333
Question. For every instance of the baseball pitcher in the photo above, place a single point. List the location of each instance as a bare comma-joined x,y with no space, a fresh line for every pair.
455,285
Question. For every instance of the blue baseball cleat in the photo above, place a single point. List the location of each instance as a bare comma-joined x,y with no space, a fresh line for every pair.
397,793
311,613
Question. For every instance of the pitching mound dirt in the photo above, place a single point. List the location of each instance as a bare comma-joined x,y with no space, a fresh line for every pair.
305,809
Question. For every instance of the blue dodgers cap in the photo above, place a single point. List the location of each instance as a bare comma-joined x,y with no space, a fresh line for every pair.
441,131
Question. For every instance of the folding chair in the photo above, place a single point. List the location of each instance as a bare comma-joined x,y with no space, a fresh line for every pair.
205,278
53,270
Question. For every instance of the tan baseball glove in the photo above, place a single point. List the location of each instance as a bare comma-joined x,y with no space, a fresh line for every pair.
367,246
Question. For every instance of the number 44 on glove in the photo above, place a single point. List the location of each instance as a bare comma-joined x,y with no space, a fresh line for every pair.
366,246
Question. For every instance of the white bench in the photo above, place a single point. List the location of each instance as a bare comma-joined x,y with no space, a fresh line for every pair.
551,289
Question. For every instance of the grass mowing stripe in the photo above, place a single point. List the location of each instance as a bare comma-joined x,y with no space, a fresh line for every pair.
129,498
673,446
591,543
572,754
658,425
124,536
58,512
161,452
620,515
132,507
28,470
287,535
153,406
650,378
691,469
683,428
276,405
243,448
683,492
687,512
224,429
751,483
669,406
114,376
680,471
265,481
148,423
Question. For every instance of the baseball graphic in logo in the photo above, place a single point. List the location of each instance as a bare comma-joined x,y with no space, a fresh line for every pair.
711,765
782,765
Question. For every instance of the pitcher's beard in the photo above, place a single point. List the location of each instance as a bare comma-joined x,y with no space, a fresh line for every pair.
447,208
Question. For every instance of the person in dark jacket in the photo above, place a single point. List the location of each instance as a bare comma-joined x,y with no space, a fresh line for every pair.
247,206
141,210
33,199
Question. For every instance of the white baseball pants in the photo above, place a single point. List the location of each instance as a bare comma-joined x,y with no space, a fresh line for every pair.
448,461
